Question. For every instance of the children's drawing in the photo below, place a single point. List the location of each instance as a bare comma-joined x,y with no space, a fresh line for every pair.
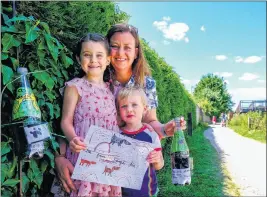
113,159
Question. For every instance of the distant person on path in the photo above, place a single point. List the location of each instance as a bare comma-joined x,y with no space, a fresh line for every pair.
223,119
128,68
131,105
213,120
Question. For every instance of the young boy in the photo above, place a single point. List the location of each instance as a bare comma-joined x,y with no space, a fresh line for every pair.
132,104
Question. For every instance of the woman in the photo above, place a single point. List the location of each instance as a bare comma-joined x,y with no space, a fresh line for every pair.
129,68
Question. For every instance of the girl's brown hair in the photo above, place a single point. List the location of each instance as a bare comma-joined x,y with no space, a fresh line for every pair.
140,66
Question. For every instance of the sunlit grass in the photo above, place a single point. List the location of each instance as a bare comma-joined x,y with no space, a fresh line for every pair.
210,177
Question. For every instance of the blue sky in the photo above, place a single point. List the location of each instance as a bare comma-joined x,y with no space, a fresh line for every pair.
197,38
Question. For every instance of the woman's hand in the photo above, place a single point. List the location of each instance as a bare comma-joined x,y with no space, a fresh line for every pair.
77,144
170,127
64,170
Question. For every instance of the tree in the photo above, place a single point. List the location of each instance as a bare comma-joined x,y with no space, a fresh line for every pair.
212,96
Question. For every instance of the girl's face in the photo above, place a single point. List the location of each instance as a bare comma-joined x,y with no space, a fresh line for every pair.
123,51
132,109
93,59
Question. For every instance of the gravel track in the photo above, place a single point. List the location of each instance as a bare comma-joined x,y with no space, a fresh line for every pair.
245,159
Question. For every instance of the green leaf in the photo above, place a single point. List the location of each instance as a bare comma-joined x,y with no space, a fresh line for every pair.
50,83
3,159
34,166
4,56
66,60
41,55
32,67
54,143
51,157
45,26
57,111
51,46
18,18
11,182
7,74
41,44
41,76
41,102
15,63
65,73
10,172
38,179
52,63
44,165
9,29
50,95
4,170
31,32
5,19
51,110
25,182
8,41
7,193
5,148
30,174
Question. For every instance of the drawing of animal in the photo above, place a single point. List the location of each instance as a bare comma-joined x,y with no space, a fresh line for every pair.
110,170
88,163
119,140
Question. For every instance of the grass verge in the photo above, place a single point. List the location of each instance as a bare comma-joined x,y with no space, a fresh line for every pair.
210,177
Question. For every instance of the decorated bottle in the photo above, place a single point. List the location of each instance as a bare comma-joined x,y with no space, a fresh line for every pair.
181,174
25,106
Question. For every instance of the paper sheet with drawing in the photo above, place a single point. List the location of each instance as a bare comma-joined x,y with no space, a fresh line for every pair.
113,159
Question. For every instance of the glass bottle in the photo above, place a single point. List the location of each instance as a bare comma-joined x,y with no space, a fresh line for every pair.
181,174
25,106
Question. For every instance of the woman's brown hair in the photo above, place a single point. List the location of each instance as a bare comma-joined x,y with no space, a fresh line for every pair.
140,66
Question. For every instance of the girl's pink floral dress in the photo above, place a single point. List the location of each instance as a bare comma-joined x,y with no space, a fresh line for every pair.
95,107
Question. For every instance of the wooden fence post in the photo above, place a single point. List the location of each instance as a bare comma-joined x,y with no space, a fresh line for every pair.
189,124
249,122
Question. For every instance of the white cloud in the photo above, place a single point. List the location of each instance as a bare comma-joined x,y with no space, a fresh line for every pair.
248,77
173,31
220,57
202,28
261,81
161,25
166,18
247,94
252,59
248,60
186,81
238,59
226,74
165,42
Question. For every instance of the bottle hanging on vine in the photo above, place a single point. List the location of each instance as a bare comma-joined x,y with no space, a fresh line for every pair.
181,174
25,107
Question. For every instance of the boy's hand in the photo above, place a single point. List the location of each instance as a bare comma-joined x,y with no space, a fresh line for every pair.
154,156
77,144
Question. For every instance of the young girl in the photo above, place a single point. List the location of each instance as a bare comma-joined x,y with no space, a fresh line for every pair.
89,101
132,105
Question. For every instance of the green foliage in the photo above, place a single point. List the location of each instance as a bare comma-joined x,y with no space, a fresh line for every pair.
38,49
212,96
257,130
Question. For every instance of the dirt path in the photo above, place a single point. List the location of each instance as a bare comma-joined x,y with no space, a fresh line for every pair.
245,159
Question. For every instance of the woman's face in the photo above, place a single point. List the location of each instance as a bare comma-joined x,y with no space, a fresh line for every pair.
123,51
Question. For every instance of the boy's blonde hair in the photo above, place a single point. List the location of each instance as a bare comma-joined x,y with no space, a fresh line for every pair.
126,92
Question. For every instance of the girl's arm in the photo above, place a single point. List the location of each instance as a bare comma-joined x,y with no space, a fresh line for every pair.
70,101
71,97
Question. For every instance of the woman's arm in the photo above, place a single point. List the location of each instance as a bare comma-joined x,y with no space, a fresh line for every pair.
163,130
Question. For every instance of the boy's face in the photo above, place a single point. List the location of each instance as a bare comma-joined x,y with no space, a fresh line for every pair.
131,109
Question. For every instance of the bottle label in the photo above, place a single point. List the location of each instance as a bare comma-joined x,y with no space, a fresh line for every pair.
25,104
181,176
